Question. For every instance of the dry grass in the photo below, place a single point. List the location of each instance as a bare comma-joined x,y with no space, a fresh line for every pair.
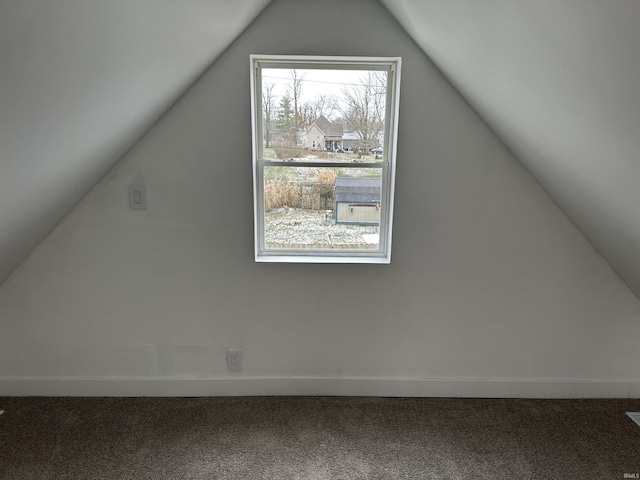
289,152
280,194
314,192
310,196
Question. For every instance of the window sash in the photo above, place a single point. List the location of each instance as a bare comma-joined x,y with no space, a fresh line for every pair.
275,253
384,64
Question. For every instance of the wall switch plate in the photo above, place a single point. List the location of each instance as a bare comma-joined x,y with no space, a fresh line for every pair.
234,360
138,196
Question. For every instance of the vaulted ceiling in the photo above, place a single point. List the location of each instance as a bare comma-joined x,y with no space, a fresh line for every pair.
559,82
80,83
82,80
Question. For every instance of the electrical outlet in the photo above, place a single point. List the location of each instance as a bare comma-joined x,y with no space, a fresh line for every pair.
234,360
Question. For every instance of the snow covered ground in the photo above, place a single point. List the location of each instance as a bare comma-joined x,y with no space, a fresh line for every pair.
288,226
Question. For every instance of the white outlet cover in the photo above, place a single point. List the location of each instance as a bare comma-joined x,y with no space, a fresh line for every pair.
635,416
234,354
1,412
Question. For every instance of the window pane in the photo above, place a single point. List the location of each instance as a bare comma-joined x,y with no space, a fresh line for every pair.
322,208
320,114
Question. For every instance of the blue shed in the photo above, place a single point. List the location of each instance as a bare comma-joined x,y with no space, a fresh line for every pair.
358,200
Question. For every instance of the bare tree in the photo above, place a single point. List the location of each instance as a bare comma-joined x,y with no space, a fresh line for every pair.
325,105
268,107
363,107
307,114
295,89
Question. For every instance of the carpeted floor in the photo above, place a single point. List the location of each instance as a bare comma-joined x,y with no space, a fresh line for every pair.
317,438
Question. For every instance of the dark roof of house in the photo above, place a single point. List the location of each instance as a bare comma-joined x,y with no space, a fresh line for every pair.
330,129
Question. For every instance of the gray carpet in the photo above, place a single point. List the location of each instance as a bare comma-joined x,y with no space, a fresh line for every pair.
316,438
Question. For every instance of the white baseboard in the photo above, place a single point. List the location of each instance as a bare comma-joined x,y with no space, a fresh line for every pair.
634,390
317,386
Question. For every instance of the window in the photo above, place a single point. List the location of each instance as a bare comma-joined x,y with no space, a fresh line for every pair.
324,145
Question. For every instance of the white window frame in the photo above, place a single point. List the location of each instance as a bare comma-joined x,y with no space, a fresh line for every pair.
388,163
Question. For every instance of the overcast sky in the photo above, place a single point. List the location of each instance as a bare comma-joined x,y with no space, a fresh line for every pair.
315,82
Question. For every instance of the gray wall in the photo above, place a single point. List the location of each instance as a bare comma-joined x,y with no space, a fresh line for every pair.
491,290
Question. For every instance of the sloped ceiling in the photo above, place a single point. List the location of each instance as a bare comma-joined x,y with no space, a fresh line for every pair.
80,82
559,82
